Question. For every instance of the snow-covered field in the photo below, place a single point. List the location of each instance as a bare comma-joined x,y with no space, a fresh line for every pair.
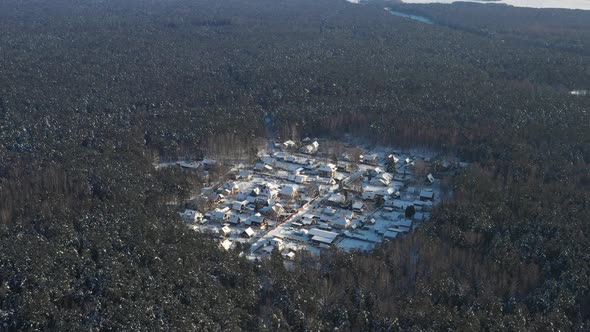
332,219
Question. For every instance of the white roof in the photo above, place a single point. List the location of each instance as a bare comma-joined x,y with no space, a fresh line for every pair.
288,190
327,168
322,239
394,158
249,231
427,194
323,234
288,143
430,178
226,244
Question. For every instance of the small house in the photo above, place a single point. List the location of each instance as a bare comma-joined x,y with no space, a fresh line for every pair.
372,159
231,187
276,211
344,166
234,219
289,145
336,199
277,243
427,195
327,170
330,211
392,158
225,231
217,197
248,233
269,190
341,223
226,244
256,220
239,206
321,236
221,215
191,216
300,179
288,192
430,178
358,206
245,175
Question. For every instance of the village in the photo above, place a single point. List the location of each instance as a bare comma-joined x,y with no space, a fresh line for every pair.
314,195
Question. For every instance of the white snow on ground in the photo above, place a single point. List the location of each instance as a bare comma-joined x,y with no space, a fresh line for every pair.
364,229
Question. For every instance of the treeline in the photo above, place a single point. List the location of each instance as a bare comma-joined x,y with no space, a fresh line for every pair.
92,93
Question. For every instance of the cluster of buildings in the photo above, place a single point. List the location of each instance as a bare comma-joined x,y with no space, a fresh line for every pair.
301,197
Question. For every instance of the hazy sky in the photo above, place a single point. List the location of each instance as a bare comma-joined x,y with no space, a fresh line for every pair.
572,4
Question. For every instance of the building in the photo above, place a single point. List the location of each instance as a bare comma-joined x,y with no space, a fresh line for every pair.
276,211
248,233
335,199
231,187
269,190
329,211
390,234
310,148
225,231
382,179
221,215
191,216
288,192
277,243
256,220
226,244
234,219
358,206
300,179
322,237
239,206
372,159
262,167
430,178
245,175
392,158
344,166
287,145
427,195
341,223
327,170
217,197
368,195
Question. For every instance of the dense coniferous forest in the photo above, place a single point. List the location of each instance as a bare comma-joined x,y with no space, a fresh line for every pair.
91,92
